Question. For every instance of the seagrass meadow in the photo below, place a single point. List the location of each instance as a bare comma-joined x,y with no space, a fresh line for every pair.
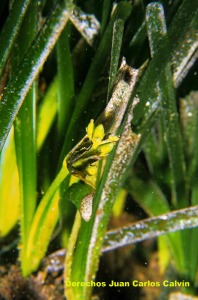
99,149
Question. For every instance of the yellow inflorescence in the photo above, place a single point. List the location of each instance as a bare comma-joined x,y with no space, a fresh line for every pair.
96,135
102,145
83,160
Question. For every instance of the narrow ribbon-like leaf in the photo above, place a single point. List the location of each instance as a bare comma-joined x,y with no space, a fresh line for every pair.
152,227
115,53
10,30
25,131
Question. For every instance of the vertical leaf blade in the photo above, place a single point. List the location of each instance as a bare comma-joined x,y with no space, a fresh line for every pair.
25,131
65,81
10,30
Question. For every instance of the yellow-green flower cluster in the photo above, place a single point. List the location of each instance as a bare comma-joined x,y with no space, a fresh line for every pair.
96,135
100,144
82,161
